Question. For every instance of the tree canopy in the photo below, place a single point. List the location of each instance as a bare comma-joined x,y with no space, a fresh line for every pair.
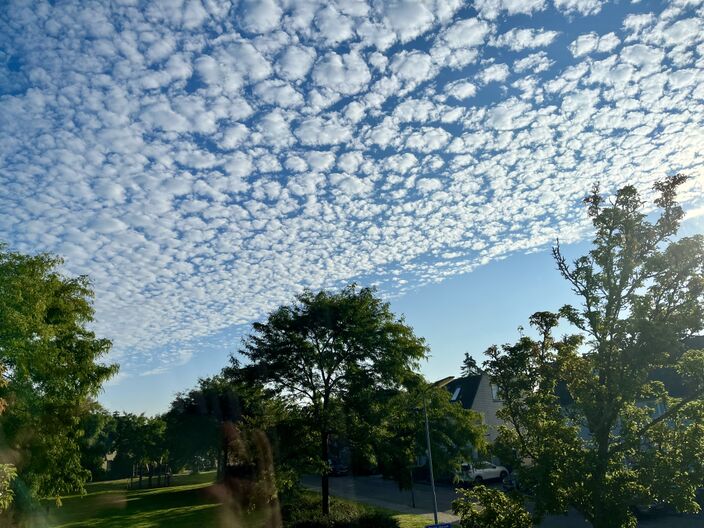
591,412
327,346
51,361
470,367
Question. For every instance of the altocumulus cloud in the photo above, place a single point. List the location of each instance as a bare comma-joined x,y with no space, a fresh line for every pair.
202,160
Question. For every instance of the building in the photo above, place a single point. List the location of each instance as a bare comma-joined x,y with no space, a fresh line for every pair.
479,394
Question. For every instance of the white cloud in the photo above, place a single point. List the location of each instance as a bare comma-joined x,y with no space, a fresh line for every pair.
295,63
583,7
347,74
278,93
259,16
494,73
520,39
535,62
201,163
591,42
492,8
467,33
407,18
316,131
333,26
461,89
428,139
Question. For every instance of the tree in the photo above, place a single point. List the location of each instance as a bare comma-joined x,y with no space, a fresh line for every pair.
97,440
618,438
195,420
51,364
8,472
400,440
319,349
470,366
483,507
140,443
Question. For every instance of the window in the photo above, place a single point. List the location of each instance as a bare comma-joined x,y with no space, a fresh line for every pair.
495,392
456,394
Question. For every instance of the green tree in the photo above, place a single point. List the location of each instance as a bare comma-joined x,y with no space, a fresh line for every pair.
320,349
140,443
97,440
470,367
194,423
483,507
8,472
400,440
51,364
618,438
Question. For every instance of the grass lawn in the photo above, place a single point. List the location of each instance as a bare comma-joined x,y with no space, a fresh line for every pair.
109,505
189,502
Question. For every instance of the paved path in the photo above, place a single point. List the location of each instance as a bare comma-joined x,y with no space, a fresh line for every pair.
385,493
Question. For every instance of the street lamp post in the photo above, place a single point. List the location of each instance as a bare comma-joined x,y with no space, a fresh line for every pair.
440,383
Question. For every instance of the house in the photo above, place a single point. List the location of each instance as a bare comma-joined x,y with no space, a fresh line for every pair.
479,394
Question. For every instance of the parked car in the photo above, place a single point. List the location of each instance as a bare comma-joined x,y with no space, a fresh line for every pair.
479,472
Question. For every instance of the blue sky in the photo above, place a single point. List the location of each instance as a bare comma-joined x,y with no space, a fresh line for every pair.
203,161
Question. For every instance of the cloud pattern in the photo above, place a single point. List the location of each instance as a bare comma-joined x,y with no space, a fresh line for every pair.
201,160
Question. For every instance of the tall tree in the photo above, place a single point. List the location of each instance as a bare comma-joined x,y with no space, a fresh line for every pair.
621,438
470,367
318,349
52,365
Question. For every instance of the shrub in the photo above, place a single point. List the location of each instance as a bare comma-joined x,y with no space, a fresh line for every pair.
302,510
483,507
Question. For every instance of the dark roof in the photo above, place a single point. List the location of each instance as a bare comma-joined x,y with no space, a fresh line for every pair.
694,342
468,389
673,382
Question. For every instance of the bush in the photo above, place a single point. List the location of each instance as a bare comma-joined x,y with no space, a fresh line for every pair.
483,507
303,510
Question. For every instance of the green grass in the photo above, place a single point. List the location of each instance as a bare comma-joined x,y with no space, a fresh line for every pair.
188,502
191,501
404,520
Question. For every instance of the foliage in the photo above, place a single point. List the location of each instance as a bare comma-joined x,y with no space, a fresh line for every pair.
302,510
482,507
326,347
470,367
194,423
8,472
140,441
618,437
51,363
97,440
400,440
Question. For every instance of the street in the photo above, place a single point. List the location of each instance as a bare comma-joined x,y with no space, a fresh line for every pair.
377,491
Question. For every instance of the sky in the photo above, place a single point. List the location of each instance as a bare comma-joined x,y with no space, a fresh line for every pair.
203,161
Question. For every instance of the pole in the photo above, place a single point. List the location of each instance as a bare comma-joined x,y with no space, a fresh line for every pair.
430,461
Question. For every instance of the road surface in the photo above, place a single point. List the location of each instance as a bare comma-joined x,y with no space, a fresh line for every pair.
385,493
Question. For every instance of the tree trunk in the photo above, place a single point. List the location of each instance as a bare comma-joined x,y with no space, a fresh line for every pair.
150,468
325,482
599,492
